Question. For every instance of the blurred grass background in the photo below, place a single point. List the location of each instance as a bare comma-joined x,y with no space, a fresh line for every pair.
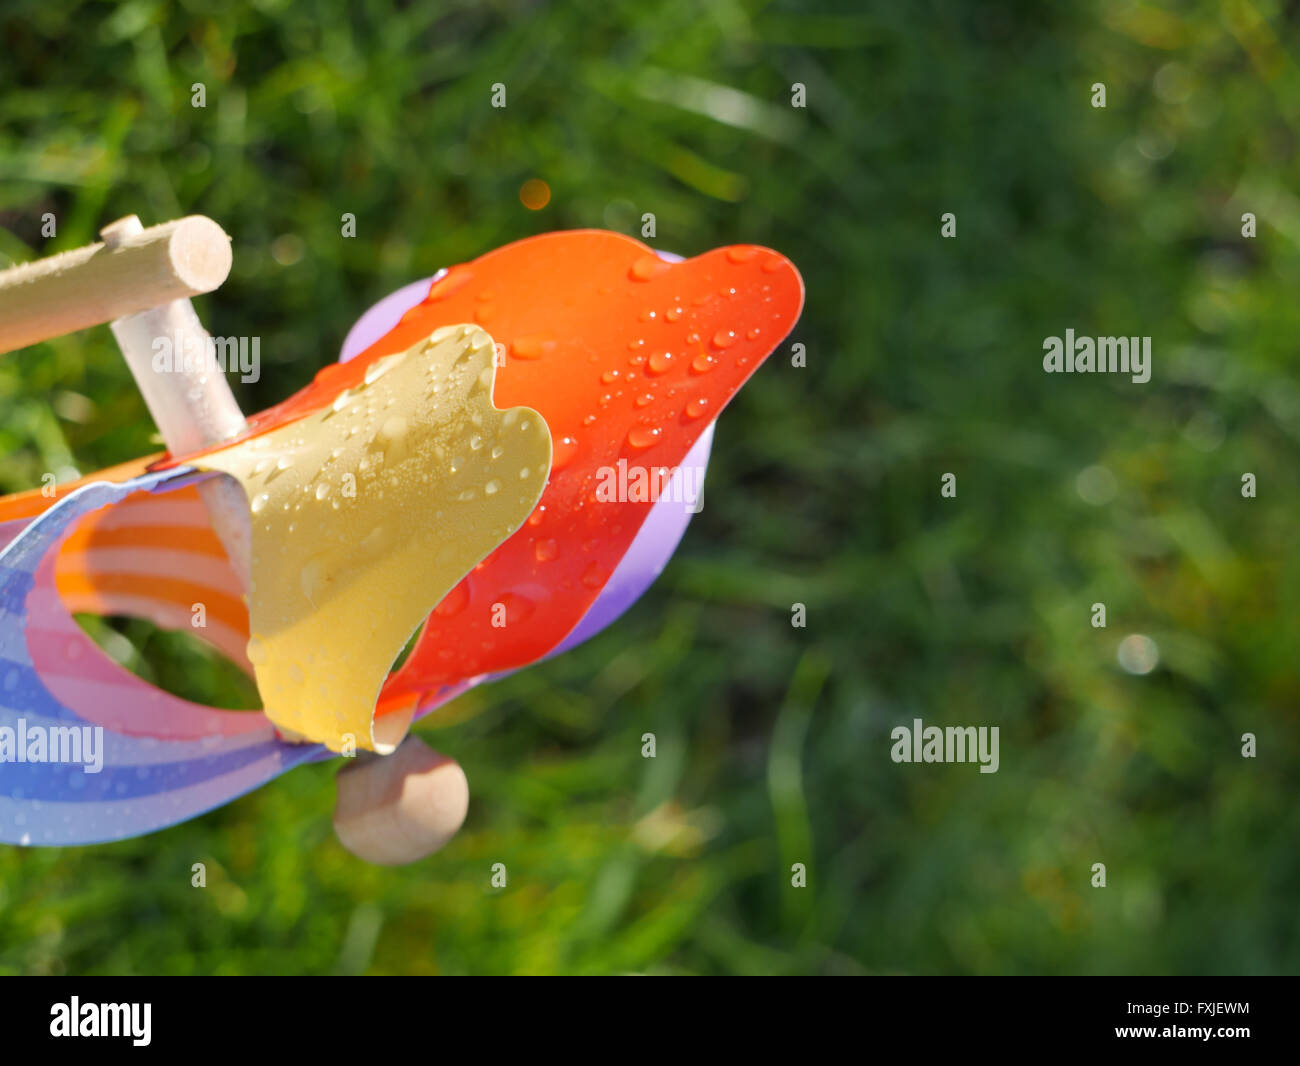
924,357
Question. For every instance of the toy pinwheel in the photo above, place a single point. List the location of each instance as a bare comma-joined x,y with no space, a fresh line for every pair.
503,459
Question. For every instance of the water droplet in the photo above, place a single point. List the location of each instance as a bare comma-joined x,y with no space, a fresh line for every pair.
454,602
498,451
492,487
660,363
562,452
283,463
741,253
517,607
531,347
673,314
546,550
259,502
647,267
751,334
454,279
696,408
645,399
595,576
322,490
772,264
609,376
441,334
724,338
643,436
380,367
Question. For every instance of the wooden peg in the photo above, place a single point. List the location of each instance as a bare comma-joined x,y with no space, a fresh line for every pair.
395,809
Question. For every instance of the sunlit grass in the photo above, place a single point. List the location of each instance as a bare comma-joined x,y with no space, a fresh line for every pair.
923,357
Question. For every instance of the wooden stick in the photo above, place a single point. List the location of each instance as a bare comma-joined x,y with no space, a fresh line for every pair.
190,400
98,283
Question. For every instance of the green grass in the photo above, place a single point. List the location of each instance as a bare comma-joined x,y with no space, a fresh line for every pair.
924,357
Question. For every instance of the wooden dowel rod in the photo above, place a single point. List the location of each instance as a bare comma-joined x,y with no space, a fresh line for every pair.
98,283
193,408
190,400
